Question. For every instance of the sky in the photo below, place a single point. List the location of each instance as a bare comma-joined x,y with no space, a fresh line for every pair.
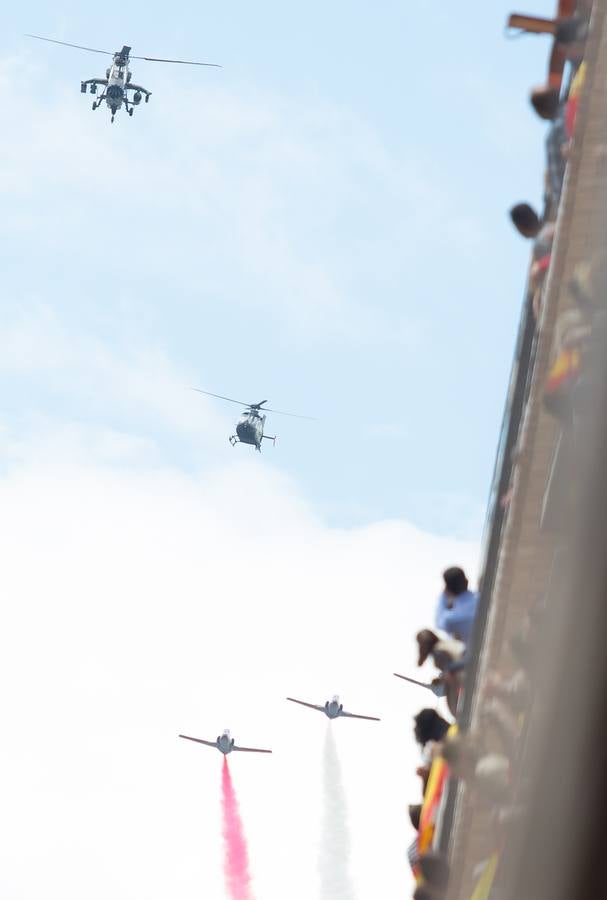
321,222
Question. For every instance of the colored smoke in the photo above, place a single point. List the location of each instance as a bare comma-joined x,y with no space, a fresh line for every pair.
236,865
335,880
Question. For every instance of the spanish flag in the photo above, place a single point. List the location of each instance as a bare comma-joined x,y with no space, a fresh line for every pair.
573,100
439,773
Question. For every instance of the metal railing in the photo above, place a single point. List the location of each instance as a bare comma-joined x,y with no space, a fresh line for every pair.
497,512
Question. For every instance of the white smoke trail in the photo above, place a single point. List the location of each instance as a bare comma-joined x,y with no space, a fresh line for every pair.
334,858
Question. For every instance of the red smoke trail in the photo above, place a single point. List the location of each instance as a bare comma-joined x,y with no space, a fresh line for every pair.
236,865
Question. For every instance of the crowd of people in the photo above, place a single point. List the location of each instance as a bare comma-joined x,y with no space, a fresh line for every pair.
485,758
447,647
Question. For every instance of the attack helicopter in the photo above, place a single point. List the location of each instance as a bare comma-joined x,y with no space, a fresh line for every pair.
117,89
249,428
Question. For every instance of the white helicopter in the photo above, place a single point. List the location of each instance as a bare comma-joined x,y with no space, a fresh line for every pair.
224,743
117,87
334,709
249,428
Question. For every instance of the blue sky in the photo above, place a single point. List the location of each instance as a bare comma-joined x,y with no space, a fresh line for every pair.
321,222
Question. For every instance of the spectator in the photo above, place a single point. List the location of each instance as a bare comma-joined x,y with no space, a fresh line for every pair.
413,855
430,730
445,653
525,220
456,605
415,811
529,225
546,102
429,726
488,772
449,658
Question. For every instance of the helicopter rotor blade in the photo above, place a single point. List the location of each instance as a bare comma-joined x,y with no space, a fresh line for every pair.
179,62
65,44
256,406
292,415
221,397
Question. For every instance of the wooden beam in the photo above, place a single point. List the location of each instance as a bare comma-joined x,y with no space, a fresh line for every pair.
532,24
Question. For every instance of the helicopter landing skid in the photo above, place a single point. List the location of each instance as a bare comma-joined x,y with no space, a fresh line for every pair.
233,439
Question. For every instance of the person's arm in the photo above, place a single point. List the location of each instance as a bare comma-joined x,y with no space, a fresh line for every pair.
441,613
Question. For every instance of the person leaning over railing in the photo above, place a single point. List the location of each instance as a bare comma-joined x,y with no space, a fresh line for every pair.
449,657
529,225
547,104
457,605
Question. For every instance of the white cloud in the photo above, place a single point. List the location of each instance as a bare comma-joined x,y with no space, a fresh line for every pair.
134,381
143,603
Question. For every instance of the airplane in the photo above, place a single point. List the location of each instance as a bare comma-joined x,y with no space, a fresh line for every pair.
334,709
249,428
117,82
437,689
224,743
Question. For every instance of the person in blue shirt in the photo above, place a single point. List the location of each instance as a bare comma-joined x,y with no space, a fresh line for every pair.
456,605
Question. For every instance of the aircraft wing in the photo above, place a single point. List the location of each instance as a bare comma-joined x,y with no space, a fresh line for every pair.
198,740
437,689
354,716
303,703
250,750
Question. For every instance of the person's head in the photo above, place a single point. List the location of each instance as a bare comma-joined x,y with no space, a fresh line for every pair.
545,101
525,220
426,641
429,726
415,811
455,581
434,869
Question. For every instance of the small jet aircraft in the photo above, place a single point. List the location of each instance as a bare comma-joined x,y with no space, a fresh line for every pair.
224,743
334,709
437,687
